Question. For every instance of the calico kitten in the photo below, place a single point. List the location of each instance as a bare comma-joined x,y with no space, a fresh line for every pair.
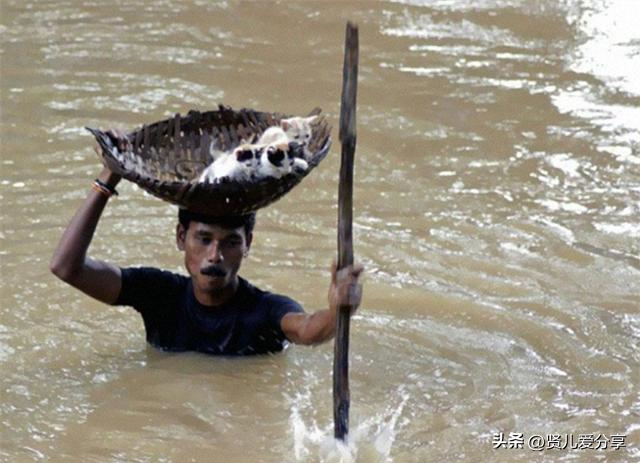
238,165
277,161
294,129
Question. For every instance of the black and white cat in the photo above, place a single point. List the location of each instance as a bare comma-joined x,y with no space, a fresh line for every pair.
279,160
293,129
240,164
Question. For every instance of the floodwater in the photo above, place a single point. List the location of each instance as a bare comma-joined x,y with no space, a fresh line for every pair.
497,210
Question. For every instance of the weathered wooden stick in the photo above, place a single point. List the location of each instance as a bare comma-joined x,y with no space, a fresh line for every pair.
345,238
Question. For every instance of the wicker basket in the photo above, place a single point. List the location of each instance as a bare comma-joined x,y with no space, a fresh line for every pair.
167,157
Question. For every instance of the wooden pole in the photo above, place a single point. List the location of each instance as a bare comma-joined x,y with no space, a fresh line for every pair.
345,238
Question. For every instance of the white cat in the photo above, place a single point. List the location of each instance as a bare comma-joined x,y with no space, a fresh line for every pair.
239,165
294,129
274,135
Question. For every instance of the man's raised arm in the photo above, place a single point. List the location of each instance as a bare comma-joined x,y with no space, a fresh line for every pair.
70,263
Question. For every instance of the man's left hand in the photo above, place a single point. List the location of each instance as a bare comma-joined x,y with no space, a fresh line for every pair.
345,288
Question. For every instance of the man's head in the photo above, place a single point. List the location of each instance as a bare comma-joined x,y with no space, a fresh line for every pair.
214,248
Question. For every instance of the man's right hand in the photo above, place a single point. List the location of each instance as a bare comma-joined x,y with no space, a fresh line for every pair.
120,138
122,142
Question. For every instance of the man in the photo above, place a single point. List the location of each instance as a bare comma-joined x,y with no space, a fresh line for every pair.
213,310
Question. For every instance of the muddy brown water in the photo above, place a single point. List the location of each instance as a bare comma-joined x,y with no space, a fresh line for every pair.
497,207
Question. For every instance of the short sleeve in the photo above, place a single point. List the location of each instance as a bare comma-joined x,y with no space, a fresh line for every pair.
279,306
145,287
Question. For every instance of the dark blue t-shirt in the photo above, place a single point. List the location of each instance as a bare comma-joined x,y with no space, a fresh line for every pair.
249,323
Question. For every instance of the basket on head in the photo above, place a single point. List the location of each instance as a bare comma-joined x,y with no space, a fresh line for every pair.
166,158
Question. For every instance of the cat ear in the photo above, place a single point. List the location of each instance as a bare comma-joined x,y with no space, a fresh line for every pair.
285,124
310,119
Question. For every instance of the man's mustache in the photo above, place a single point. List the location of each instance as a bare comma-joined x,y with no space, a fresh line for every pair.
213,270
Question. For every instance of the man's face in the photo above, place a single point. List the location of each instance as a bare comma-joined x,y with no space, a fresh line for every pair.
212,254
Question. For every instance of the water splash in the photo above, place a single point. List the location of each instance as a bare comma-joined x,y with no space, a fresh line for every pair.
370,440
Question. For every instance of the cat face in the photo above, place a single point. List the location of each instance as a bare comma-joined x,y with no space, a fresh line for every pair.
274,162
245,156
246,161
277,157
298,129
284,161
